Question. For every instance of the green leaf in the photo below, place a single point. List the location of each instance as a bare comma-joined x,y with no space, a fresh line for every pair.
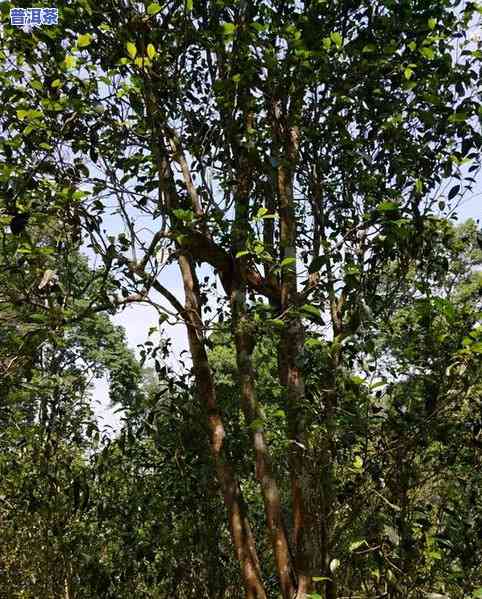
242,253
131,50
311,310
184,215
56,83
312,343
151,51
369,48
258,248
70,61
387,206
189,5
453,192
477,594
24,249
153,9
408,72
288,262
358,463
142,61
427,52
458,117
28,114
357,544
277,322
228,29
326,43
316,264
336,38
431,23
377,384
84,40
352,269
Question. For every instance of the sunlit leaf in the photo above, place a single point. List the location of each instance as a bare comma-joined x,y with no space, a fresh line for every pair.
336,38
70,61
357,544
84,40
334,565
153,8
358,463
131,50
427,52
288,262
408,73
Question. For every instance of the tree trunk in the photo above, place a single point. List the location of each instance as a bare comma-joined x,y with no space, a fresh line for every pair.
241,533
244,344
269,487
290,352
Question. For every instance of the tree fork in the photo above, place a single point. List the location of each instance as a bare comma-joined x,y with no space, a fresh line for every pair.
241,533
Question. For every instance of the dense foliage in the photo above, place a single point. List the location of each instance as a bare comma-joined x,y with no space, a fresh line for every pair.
297,164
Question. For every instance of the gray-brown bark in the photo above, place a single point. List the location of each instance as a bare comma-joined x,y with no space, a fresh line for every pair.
241,533
242,536
244,344
286,134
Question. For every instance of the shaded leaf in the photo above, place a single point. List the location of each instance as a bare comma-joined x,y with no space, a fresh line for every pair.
453,192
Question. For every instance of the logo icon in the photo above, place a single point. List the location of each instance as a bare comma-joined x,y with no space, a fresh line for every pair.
34,17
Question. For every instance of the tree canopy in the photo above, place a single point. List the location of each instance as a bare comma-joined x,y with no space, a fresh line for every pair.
298,164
